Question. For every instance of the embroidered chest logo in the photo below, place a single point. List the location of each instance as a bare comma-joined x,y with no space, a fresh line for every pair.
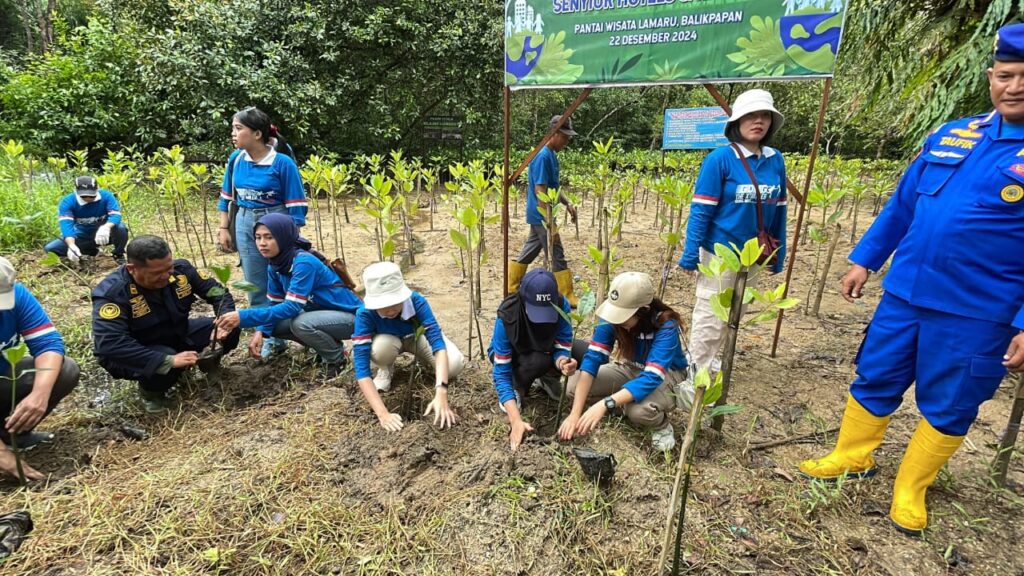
1012,194
110,311
139,306
184,289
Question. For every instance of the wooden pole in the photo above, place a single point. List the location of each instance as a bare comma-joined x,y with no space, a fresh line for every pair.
1009,439
505,182
803,206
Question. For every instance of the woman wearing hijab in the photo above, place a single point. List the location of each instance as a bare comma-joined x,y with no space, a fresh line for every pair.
725,209
530,340
262,180
642,333
310,304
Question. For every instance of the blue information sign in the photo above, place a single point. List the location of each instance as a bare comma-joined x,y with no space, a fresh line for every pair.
694,129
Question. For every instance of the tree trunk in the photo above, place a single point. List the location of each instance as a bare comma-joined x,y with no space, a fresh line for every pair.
729,352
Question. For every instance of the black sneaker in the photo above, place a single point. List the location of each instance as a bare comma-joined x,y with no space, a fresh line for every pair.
119,260
332,371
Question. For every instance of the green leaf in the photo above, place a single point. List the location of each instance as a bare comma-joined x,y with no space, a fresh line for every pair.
720,312
459,239
586,303
750,253
245,286
787,303
725,410
223,273
713,393
728,257
14,354
596,255
389,248
50,259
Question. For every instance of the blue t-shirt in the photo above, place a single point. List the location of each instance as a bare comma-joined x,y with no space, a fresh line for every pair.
724,209
311,285
543,172
369,323
78,218
27,320
273,181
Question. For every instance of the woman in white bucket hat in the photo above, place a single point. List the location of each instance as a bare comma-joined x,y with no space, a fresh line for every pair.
724,209
385,327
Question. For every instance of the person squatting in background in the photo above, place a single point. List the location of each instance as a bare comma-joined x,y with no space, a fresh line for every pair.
89,217
386,326
642,334
725,210
261,179
310,304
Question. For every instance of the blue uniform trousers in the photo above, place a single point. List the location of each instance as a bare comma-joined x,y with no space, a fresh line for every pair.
956,362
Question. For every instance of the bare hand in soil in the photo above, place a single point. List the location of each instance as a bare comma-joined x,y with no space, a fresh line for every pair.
256,344
443,414
9,466
226,323
185,359
591,418
1014,358
27,414
518,432
568,428
568,367
853,282
391,422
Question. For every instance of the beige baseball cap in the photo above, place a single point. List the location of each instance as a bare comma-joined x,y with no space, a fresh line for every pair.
6,284
384,286
628,292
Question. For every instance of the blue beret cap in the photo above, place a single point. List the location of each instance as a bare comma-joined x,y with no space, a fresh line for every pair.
1009,44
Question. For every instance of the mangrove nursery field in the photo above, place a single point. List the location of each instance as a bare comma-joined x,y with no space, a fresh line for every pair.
267,469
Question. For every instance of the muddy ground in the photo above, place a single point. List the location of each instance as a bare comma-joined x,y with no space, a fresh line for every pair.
270,471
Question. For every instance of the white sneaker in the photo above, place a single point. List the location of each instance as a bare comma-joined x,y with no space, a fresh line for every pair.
664,438
382,381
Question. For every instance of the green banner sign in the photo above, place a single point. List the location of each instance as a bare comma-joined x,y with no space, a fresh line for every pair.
558,43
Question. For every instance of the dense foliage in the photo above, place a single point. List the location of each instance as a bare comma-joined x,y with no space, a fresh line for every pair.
349,77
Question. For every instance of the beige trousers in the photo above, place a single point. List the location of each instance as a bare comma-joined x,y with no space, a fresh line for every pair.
386,348
650,412
707,332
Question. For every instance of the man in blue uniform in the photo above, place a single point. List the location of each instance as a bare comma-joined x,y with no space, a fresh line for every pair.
89,217
140,321
543,175
37,392
953,309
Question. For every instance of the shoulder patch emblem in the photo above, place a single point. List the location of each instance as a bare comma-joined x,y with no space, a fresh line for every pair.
110,311
204,275
1017,169
1012,194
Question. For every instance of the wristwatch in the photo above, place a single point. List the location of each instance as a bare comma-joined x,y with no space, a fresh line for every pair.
609,403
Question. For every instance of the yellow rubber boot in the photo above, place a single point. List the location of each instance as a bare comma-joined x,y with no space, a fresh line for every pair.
927,452
516,271
859,434
564,280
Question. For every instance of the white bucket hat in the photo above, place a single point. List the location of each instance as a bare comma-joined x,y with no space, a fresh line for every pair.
756,100
384,286
7,276
627,293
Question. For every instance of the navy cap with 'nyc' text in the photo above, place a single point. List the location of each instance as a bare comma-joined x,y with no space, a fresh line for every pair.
539,292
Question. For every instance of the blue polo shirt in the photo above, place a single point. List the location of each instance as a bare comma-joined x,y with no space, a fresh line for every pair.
415,310
723,208
544,172
656,354
273,181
